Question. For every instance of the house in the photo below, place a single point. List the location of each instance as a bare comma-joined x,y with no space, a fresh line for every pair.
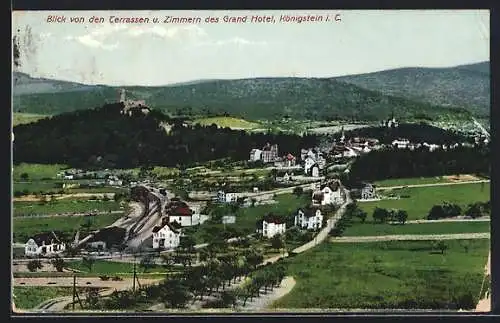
114,181
315,170
69,177
178,211
329,194
269,153
401,143
309,218
309,162
223,197
255,154
166,236
271,225
368,192
107,238
44,244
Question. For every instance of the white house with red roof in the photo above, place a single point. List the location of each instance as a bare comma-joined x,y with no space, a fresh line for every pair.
166,236
178,211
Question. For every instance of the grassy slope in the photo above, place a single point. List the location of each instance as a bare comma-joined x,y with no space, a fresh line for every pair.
422,199
24,228
227,122
22,118
27,297
384,275
63,206
36,171
377,229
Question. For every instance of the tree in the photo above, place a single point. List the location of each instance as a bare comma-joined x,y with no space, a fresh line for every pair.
474,211
187,243
436,212
92,298
380,215
401,216
253,201
34,265
441,246
88,262
277,242
298,191
174,293
58,263
24,176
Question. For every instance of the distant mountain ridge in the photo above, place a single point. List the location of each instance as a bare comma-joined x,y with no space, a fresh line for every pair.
407,91
466,86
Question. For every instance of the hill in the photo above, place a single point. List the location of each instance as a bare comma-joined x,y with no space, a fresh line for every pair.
259,98
466,86
25,84
104,137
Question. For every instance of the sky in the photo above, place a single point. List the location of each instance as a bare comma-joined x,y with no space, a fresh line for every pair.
164,53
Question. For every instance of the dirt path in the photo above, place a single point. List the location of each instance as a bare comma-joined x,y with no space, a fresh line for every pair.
484,305
483,219
32,198
266,300
432,184
67,214
415,237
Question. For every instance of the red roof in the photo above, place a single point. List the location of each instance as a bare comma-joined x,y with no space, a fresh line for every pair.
290,157
180,211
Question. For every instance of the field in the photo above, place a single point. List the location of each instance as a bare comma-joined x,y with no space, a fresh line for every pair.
380,229
422,199
423,180
387,275
24,228
27,297
103,267
36,171
230,122
22,118
25,208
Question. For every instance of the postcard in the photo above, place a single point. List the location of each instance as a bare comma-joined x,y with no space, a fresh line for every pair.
251,161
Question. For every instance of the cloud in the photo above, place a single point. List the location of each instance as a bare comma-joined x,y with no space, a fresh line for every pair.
98,38
237,41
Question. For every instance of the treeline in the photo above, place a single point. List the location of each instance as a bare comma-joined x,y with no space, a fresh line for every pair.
414,132
403,163
103,137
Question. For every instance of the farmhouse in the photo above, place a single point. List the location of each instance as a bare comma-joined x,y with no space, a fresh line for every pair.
44,244
269,153
309,218
255,154
328,194
271,225
166,236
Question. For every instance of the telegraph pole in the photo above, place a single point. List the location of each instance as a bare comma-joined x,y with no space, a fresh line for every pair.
133,288
74,292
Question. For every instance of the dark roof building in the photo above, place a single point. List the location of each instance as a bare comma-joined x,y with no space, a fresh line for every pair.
47,238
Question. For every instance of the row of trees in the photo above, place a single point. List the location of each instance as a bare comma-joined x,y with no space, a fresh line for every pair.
36,264
381,215
402,163
450,210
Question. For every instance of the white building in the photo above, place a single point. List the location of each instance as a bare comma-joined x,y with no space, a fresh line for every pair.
309,218
178,211
44,245
255,154
368,192
401,143
166,237
272,225
309,162
329,194
224,197
315,171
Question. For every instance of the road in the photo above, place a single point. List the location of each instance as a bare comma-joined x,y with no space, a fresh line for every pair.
484,305
412,237
485,219
265,300
432,184
64,196
321,236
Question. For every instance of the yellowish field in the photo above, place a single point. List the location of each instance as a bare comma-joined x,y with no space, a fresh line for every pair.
230,122
22,118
